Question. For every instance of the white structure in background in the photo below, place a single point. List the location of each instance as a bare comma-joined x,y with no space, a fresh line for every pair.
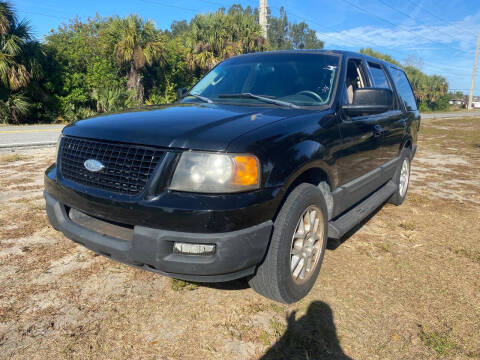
458,102
262,16
475,105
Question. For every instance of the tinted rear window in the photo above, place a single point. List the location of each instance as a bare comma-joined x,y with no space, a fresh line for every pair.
378,76
403,88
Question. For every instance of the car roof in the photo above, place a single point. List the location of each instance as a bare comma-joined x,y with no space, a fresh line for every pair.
321,51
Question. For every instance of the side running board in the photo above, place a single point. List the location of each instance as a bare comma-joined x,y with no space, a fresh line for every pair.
337,228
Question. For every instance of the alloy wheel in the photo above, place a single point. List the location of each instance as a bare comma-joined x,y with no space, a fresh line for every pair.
306,245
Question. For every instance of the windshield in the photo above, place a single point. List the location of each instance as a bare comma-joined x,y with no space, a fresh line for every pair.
302,79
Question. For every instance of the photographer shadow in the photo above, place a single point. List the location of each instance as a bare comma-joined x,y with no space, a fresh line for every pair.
312,337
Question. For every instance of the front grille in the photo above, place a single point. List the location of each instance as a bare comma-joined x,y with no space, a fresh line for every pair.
127,167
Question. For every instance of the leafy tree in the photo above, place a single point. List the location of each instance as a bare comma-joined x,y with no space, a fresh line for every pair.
430,90
302,37
284,35
379,55
108,64
178,28
278,31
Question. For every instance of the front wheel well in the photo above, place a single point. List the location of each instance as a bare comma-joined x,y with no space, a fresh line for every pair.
312,176
408,144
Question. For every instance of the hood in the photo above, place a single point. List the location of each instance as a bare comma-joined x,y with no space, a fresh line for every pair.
208,127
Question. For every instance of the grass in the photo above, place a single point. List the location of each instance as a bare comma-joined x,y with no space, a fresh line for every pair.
471,254
437,341
405,225
10,158
181,285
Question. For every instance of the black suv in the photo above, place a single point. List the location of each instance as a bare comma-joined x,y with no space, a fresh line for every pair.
247,175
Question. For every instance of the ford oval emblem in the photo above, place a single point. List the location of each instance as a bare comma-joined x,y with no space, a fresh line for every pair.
93,165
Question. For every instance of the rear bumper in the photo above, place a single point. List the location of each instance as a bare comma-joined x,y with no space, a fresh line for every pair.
237,252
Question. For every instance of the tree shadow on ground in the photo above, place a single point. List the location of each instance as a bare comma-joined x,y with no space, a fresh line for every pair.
312,337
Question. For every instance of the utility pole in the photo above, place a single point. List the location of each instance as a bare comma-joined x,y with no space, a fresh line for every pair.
262,17
472,86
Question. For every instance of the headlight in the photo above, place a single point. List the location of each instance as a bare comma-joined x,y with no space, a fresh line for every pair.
216,173
58,146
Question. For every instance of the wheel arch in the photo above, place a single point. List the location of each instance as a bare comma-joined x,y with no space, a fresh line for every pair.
406,143
313,173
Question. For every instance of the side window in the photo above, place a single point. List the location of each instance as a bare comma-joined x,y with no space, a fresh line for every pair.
354,79
379,77
403,88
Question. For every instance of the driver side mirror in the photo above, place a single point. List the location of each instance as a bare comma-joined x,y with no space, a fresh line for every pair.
181,93
369,101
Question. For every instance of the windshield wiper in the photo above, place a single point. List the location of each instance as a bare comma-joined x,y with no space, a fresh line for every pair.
199,97
258,97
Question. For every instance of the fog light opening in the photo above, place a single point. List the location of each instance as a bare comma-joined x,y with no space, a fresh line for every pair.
193,249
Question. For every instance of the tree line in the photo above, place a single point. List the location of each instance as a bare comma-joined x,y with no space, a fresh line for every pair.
431,91
109,64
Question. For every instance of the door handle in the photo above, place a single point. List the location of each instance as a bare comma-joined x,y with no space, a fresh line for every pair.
378,131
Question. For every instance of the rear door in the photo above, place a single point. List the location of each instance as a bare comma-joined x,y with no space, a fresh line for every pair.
392,123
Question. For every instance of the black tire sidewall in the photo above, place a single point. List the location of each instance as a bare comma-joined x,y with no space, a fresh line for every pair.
304,196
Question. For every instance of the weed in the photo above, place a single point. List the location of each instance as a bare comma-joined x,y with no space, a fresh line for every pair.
278,328
264,338
276,308
180,285
468,253
437,341
387,247
254,308
407,226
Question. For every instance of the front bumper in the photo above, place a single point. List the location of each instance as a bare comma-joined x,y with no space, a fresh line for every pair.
237,252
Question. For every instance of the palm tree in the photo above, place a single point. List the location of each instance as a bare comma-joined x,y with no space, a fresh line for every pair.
214,37
137,44
109,99
14,35
16,107
6,17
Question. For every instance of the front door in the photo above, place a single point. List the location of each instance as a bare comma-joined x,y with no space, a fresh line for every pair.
362,135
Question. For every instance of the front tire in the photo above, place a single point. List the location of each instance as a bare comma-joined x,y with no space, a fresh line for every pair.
297,247
401,179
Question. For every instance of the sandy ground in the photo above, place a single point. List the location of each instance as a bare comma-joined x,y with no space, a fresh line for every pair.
406,285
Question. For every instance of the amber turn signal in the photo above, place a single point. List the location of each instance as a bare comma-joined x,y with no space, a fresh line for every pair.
246,170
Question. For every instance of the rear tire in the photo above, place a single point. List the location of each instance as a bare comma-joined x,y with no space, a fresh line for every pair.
401,179
297,247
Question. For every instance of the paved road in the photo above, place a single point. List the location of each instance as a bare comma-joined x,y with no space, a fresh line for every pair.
451,115
34,135
42,135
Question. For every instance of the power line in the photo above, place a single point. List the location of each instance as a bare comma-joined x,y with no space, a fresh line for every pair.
411,17
42,14
363,42
419,4
393,24
170,6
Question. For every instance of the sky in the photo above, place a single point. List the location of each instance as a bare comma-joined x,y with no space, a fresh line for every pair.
439,36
